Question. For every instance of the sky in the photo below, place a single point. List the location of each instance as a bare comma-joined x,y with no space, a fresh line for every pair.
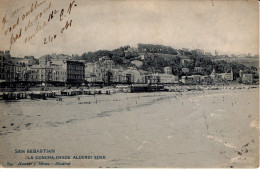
226,26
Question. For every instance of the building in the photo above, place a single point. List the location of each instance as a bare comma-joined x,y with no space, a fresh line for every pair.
159,78
163,78
13,72
113,76
58,59
137,63
4,60
131,51
89,72
44,72
241,56
108,64
206,79
233,56
154,79
132,75
145,76
2,70
185,70
247,78
229,76
45,60
90,67
193,79
185,49
208,54
31,75
93,72
143,56
28,61
120,75
102,59
199,51
167,70
53,59
198,69
187,80
59,74
223,56
10,70
222,76
75,72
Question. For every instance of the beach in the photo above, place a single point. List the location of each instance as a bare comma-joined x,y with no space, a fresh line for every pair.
193,129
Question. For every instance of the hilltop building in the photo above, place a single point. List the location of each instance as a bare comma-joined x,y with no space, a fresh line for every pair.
137,63
208,54
199,51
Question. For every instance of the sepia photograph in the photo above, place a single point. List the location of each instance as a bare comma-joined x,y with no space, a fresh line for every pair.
129,84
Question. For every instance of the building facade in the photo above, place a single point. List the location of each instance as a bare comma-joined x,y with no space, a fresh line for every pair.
10,71
108,64
13,72
164,78
28,61
93,72
59,74
75,72
44,72
4,56
31,76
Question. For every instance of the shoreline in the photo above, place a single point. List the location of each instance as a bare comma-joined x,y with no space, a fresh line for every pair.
56,93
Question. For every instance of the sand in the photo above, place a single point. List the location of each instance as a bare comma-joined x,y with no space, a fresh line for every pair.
213,129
